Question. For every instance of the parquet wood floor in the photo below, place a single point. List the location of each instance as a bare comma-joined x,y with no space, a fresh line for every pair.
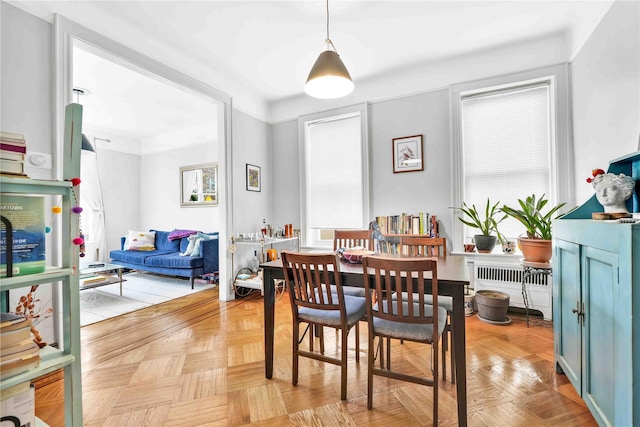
197,361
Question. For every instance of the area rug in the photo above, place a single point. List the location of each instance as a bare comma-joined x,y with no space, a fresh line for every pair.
139,290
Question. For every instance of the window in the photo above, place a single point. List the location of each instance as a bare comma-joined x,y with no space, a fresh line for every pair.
334,187
508,144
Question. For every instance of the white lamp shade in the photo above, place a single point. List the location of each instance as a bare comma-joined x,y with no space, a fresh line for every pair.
328,78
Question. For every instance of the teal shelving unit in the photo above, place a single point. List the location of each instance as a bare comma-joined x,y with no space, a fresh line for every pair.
67,355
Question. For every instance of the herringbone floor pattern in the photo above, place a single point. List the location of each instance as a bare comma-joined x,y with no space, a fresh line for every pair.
197,361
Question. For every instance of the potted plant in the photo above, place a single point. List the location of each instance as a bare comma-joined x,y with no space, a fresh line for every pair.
536,247
487,224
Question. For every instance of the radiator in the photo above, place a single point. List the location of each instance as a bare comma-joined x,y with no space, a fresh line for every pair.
508,279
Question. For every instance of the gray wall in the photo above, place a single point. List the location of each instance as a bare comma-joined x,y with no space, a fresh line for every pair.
606,94
424,114
251,145
429,191
26,78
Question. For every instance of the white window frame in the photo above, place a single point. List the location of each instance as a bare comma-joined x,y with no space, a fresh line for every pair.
562,164
308,238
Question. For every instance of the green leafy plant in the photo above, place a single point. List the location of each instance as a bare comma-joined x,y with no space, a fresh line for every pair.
487,223
537,224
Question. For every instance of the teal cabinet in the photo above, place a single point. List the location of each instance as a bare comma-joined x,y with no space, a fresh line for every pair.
596,297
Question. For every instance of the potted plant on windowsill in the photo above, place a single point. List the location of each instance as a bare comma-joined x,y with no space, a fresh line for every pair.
487,224
536,247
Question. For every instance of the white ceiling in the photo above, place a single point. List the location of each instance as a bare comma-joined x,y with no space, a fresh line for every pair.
266,48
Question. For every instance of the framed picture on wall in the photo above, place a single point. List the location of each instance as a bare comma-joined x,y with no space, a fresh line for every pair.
407,154
253,177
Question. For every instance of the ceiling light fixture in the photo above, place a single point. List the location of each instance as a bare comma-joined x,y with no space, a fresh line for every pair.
328,78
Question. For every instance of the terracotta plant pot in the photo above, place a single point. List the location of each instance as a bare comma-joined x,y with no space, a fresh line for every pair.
535,250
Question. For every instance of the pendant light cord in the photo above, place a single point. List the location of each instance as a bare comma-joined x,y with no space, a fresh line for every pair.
328,40
328,20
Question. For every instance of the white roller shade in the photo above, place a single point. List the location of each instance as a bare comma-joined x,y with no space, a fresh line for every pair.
334,173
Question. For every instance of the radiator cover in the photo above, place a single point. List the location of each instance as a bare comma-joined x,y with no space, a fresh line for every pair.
507,278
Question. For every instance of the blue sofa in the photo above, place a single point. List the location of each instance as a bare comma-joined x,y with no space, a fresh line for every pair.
166,259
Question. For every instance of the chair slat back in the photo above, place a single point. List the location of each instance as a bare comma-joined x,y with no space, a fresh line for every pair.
391,274
351,238
423,246
309,276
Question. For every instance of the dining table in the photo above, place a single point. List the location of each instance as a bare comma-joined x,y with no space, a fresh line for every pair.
453,278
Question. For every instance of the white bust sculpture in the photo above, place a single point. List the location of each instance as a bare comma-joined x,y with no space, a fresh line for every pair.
612,191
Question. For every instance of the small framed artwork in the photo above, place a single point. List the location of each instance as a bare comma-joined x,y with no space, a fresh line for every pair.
407,154
253,178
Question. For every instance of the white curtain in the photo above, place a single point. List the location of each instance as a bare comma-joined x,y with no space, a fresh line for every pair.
92,221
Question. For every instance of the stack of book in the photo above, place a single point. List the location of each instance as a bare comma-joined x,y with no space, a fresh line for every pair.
12,152
18,351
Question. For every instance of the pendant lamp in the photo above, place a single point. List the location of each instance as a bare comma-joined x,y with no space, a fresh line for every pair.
328,78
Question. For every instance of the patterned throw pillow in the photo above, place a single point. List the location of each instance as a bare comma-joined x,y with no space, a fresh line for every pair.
141,240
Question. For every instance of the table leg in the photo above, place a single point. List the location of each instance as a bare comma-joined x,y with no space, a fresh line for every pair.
120,279
269,318
459,339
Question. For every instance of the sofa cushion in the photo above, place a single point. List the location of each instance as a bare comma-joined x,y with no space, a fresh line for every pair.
135,257
141,240
173,260
163,243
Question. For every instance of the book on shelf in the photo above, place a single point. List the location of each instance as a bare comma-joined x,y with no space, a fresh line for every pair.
11,322
7,146
15,367
94,280
6,393
421,223
26,353
11,155
19,406
25,213
19,347
11,136
13,338
11,166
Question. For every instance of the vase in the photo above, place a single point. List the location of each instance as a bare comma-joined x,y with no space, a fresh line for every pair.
485,244
535,250
469,296
509,247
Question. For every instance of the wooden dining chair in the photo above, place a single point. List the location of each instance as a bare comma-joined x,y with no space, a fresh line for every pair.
423,245
434,246
308,277
409,320
352,238
345,239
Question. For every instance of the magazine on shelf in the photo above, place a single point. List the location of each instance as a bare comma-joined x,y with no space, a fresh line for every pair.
26,216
